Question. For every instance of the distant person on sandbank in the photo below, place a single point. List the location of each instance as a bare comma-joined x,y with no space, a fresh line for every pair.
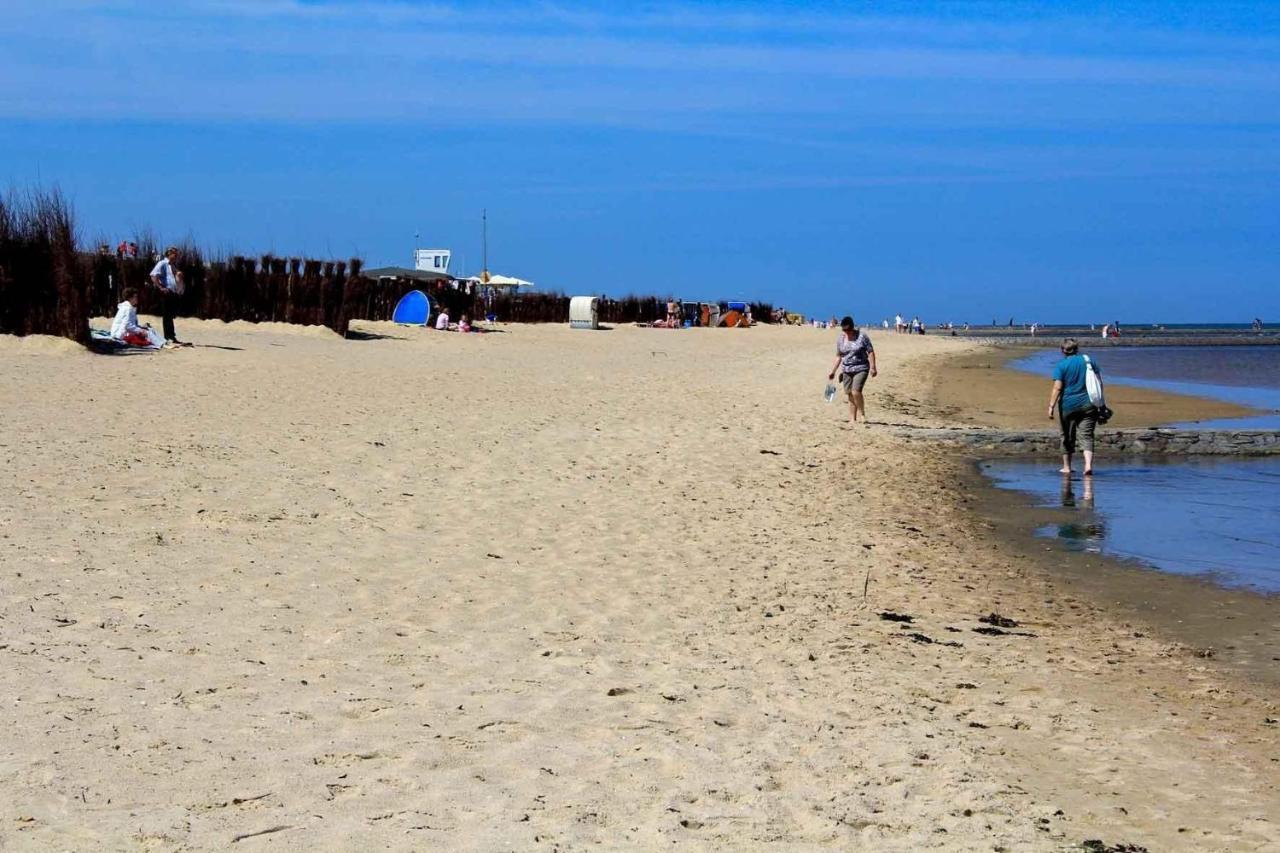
1077,416
856,360
172,285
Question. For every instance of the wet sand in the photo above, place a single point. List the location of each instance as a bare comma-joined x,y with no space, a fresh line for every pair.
978,388
548,589
1237,629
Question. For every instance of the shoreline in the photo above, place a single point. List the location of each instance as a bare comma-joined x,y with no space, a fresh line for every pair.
581,608
1238,628
1090,339
979,388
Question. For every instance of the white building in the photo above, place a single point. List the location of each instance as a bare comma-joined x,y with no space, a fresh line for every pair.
432,260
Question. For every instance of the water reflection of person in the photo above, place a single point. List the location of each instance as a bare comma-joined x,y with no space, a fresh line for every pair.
1083,533
1069,495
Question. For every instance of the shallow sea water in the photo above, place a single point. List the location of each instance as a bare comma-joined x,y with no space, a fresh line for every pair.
1214,518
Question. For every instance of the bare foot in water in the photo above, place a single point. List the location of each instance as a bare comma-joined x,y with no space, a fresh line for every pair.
1064,471
1089,472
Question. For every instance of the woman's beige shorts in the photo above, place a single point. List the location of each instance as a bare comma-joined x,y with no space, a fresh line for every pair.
854,381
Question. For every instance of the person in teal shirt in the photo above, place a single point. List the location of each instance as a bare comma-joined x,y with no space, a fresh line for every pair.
1076,414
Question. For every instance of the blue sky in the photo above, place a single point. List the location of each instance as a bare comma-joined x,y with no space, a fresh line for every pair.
958,160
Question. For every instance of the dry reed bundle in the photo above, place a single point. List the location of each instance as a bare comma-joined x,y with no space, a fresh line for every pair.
43,284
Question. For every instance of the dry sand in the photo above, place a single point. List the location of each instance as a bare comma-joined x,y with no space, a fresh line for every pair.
548,589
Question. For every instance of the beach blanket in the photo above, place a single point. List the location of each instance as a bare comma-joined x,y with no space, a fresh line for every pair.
102,340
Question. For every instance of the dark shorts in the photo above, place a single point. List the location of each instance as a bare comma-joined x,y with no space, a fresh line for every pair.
853,382
1077,429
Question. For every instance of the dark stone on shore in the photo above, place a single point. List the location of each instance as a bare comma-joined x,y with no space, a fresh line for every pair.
1184,442
890,616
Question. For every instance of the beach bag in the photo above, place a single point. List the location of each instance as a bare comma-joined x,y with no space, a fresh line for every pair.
1093,384
1097,396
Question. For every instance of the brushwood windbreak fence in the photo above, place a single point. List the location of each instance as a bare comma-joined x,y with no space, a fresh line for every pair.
554,307
42,290
259,290
49,287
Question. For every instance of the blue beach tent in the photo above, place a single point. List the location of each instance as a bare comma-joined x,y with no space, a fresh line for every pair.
413,309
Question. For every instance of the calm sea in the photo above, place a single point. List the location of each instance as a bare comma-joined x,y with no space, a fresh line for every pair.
1219,517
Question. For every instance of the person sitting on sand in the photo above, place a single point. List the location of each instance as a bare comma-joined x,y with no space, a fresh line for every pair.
856,359
1077,416
442,321
464,323
125,327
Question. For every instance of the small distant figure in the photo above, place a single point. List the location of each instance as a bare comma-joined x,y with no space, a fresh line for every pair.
673,314
169,280
1077,416
442,321
1257,324
856,360
125,328
915,325
464,323
885,324
898,325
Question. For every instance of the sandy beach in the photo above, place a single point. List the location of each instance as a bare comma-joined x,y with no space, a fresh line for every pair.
545,589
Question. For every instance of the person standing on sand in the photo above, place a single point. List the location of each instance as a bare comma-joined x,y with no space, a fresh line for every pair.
856,360
1076,414
171,285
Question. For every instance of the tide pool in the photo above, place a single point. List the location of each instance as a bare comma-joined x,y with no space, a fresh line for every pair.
1214,518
